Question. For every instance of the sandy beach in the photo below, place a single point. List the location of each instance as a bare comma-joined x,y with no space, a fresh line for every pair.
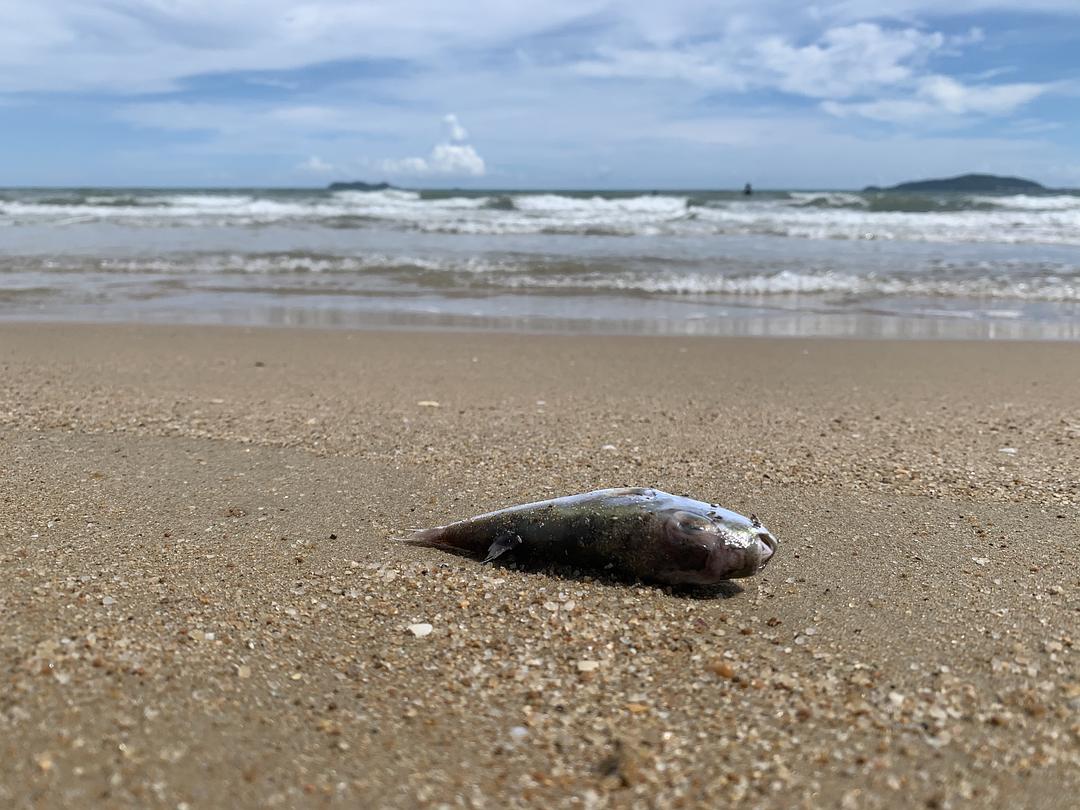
204,605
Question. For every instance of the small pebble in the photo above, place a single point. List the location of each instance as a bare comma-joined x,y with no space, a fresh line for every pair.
722,668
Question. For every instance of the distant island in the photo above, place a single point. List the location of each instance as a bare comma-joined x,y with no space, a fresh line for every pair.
356,185
970,183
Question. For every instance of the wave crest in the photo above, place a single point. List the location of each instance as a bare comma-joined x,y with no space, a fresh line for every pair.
577,276
1046,219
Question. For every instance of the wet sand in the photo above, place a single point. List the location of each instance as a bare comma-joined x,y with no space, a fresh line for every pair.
203,604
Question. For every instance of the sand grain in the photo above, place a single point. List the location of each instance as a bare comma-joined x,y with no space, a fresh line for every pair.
203,605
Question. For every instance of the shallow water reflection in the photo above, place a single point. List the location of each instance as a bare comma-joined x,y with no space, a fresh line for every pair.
547,314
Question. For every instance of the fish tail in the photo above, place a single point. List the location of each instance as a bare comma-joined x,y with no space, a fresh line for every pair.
454,537
426,537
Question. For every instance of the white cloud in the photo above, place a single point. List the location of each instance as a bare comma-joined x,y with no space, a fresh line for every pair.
265,122
408,165
849,60
280,84
844,62
316,165
706,66
897,111
985,99
905,9
456,130
974,36
131,46
543,82
451,159
941,97
134,46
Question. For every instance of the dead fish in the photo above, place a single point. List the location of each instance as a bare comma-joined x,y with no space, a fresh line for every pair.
646,533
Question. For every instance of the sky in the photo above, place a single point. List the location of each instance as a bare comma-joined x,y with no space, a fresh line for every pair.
557,94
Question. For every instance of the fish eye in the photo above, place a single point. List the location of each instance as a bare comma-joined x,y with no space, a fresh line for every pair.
690,522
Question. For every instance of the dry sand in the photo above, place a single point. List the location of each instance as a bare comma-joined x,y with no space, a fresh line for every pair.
203,606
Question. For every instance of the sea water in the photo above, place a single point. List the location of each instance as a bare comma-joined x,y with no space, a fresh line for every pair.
719,263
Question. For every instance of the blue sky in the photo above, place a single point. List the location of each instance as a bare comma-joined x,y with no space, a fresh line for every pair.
492,93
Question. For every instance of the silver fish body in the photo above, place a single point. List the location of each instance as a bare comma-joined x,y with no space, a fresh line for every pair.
642,532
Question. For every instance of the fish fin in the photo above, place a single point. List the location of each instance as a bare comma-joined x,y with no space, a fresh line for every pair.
504,543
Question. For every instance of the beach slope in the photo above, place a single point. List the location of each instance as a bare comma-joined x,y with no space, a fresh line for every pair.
204,604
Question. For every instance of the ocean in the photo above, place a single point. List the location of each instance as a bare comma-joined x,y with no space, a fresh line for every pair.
778,263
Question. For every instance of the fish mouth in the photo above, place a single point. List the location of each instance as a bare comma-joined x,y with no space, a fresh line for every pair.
744,557
770,544
759,553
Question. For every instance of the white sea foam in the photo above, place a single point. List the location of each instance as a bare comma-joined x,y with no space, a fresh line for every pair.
257,264
1018,219
557,204
1056,284
1026,202
830,199
791,283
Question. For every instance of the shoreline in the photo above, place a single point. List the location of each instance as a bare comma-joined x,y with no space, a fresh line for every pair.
419,331
204,603
796,324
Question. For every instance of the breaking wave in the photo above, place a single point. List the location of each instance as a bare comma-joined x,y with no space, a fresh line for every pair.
815,215
362,274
